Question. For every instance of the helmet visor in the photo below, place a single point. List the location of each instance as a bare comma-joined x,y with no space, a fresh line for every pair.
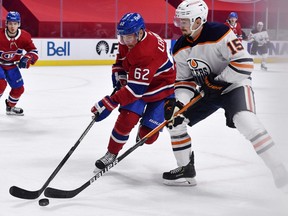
182,23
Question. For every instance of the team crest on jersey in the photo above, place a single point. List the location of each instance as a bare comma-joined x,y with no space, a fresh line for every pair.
197,65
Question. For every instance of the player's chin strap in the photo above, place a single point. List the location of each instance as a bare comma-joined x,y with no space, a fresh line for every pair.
58,193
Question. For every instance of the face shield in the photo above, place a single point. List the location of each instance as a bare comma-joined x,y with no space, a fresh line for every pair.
182,23
188,24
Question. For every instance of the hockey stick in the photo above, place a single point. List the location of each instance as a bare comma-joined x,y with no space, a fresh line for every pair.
26,194
57,193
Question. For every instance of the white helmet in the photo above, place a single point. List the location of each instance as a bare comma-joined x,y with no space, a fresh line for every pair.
191,9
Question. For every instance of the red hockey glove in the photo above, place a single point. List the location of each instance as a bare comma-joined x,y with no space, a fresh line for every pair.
103,108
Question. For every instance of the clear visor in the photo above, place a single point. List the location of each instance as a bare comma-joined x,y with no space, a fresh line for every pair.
182,23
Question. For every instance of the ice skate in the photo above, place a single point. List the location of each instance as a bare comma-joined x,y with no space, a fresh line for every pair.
181,176
13,110
107,159
264,67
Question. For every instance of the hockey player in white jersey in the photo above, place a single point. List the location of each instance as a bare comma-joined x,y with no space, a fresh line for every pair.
260,43
211,58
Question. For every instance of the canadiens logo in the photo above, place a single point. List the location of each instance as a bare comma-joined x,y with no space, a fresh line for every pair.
199,66
9,55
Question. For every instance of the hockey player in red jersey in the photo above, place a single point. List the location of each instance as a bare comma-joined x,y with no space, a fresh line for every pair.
233,23
209,56
13,42
146,76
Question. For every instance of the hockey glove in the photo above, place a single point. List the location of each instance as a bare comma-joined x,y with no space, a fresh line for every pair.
172,106
119,76
213,88
25,61
103,108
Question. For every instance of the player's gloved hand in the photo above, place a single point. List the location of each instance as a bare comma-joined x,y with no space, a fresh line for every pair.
213,88
25,61
103,108
119,76
172,106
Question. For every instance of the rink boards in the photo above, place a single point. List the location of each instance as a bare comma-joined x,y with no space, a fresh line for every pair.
103,51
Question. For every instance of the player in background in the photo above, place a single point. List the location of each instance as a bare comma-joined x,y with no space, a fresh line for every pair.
209,56
260,43
13,42
233,23
145,75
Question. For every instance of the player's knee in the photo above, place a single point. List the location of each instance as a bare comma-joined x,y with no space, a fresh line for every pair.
143,131
3,85
17,92
126,121
247,124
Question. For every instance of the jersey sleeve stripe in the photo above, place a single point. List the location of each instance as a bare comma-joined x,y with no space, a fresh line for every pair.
158,90
244,60
132,92
245,72
166,66
133,82
242,65
185,84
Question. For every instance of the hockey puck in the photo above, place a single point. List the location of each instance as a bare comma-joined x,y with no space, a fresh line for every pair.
44,202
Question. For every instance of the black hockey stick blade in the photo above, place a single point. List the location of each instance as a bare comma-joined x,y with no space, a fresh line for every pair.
58,193
26,194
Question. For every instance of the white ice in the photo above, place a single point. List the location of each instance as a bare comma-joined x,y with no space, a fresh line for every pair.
232,179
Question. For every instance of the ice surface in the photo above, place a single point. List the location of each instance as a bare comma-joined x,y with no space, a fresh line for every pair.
232,179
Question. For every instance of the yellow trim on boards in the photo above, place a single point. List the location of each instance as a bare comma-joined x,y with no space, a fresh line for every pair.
110,62
73,62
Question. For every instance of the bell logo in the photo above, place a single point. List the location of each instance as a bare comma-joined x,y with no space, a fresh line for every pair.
53,50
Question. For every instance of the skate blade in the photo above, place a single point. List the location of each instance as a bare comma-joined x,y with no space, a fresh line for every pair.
14,114
181,182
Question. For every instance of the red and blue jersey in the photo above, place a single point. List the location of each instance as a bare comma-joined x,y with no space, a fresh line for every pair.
236,28
13,48
151,73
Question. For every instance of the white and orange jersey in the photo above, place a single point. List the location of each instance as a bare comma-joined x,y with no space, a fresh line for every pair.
261,37
216,50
